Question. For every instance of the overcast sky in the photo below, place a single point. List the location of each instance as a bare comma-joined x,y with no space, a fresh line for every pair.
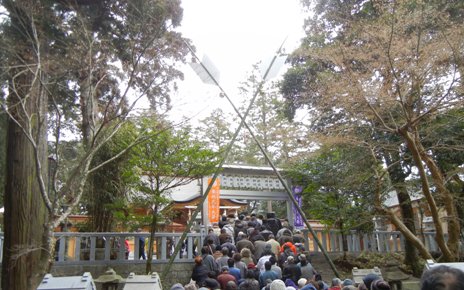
234,34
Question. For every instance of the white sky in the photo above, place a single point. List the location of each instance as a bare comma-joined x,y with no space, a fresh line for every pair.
234,34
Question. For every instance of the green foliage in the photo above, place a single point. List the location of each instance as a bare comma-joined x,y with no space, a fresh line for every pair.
108,187
279,207
169,158
215,131
444,134
278,137
337,187
386,76
86,60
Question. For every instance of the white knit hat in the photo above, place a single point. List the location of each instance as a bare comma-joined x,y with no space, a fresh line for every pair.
278,285
302,282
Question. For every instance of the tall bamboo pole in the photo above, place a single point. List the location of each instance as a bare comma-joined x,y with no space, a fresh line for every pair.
226,153
271,163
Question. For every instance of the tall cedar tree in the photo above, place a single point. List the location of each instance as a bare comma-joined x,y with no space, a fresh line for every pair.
61,56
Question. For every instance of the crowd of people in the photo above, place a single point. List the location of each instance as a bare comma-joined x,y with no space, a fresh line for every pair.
254,253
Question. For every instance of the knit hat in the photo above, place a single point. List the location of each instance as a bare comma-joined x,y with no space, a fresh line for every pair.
177,286
347,282
278,285
336,282
380,285
211,283
302,282
251,266
369,278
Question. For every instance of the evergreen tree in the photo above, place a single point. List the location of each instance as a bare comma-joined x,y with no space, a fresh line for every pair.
72,68
384,68
168,159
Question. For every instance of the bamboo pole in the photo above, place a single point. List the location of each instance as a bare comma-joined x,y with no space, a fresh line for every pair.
271,163
226,153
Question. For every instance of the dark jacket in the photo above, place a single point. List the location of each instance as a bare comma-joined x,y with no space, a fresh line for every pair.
291,271
199,274
249,284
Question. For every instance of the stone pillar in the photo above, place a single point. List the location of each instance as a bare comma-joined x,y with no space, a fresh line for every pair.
290,215
204,211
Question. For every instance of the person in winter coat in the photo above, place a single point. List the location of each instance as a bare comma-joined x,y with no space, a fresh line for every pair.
222,261
249,283
291,246
260,245
252,267
267,254
336,284
213,237
286,252
267,274
199,272
244,242
307,270
234,271
247,257
225,277
291,270
209,260
275,245
224,236
239,264
275,267
442,276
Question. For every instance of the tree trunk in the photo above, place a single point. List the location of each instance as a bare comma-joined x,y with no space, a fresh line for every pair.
411,258
3,139
411,237
459,190
417,157
398,178
344,245
408,235
25,217
25,252
341,228
153,229
88,102
454,228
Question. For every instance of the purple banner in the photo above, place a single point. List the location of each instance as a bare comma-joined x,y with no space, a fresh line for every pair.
297,190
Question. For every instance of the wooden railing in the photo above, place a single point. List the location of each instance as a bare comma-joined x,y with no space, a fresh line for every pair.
377,241
111,248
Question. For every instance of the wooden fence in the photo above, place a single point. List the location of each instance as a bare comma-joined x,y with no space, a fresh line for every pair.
117,248
377,241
